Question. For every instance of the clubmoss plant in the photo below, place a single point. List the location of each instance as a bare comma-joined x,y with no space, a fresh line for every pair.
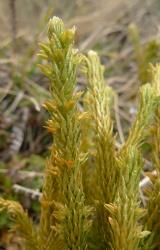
152,218
69,213
22,223
107,215
99,99
118,174
125,212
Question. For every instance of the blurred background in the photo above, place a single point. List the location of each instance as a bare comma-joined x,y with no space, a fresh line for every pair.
126,35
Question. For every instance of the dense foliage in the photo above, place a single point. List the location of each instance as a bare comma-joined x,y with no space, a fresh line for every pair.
90,197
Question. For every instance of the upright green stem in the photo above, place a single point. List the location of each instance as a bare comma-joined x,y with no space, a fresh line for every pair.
70,212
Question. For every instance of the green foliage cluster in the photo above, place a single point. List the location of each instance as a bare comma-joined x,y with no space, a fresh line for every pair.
90,197
144,54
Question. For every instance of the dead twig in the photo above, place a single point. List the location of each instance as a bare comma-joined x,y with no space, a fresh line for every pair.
33,194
